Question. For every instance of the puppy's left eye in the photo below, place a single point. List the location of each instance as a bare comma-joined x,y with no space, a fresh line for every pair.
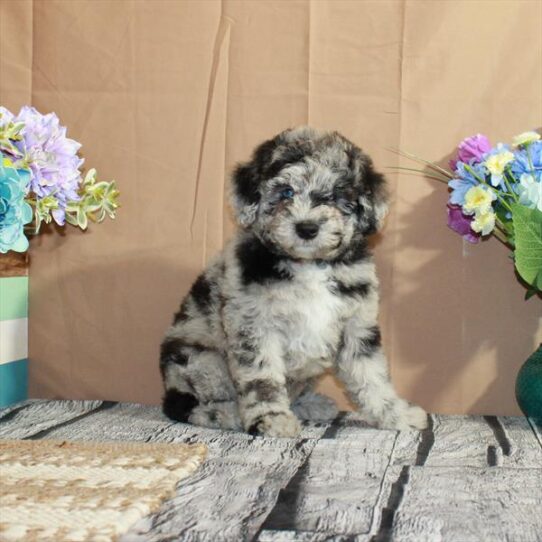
287,193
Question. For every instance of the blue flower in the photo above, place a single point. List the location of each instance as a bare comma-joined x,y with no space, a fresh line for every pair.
522,165
14,211
468,175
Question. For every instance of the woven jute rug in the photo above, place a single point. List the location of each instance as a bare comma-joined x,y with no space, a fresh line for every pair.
75,491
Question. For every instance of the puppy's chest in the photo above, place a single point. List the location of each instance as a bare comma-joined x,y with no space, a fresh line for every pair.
310,316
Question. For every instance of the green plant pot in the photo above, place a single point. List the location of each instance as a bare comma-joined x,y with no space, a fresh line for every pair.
529,386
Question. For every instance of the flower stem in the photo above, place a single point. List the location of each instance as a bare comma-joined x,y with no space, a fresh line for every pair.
432,165
529,158
509,186
501,236
420,172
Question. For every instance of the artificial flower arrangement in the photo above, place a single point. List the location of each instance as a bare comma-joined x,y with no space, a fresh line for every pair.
41,181
497,191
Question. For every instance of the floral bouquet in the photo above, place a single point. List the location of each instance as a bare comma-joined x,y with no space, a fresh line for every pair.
497,191
41,181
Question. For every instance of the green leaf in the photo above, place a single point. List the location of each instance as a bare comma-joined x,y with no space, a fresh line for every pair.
536,289
529,293
82,221
70,219
528,240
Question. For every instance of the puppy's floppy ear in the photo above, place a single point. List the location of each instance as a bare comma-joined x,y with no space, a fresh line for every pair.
246,180
373,194
374,199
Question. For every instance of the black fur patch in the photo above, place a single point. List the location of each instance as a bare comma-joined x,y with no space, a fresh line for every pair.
374,189
255,429
289,155
345,195
353,154
178,406
258,264
358,289
201,293
245,351
266,390
245,359
355,253
321,198
181,315
372,342
171,352
248,177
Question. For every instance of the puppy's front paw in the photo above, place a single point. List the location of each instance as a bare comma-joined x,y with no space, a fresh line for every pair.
276,424
413,417
404,417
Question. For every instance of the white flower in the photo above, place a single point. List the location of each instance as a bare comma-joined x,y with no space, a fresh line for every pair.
497,162
478,199
525,138
530,191
483,223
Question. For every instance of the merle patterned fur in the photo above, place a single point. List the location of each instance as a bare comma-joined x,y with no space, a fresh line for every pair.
293,294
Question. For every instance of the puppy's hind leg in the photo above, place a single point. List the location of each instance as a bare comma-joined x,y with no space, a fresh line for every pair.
198,386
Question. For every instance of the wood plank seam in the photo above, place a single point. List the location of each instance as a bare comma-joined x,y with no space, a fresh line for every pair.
294,484
40,434
377,507
14,411
395,498
427,440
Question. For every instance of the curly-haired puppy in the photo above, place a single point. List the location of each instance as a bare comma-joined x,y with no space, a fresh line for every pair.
295,293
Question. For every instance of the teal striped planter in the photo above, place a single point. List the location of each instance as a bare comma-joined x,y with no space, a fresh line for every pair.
13,339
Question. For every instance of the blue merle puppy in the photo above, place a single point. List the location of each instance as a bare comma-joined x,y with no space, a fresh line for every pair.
293,294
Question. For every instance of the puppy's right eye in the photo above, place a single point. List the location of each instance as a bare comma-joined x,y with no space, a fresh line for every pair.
287,193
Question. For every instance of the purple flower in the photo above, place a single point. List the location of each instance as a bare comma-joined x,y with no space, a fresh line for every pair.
460,223
51,157
471,150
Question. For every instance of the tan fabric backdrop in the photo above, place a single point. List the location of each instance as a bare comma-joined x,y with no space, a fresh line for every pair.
167,95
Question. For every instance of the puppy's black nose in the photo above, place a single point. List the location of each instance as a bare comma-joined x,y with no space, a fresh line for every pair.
307,230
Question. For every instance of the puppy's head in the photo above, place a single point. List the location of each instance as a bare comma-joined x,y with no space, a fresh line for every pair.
309,195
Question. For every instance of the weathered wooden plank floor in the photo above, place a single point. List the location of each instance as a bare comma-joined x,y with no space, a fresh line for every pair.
463,479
